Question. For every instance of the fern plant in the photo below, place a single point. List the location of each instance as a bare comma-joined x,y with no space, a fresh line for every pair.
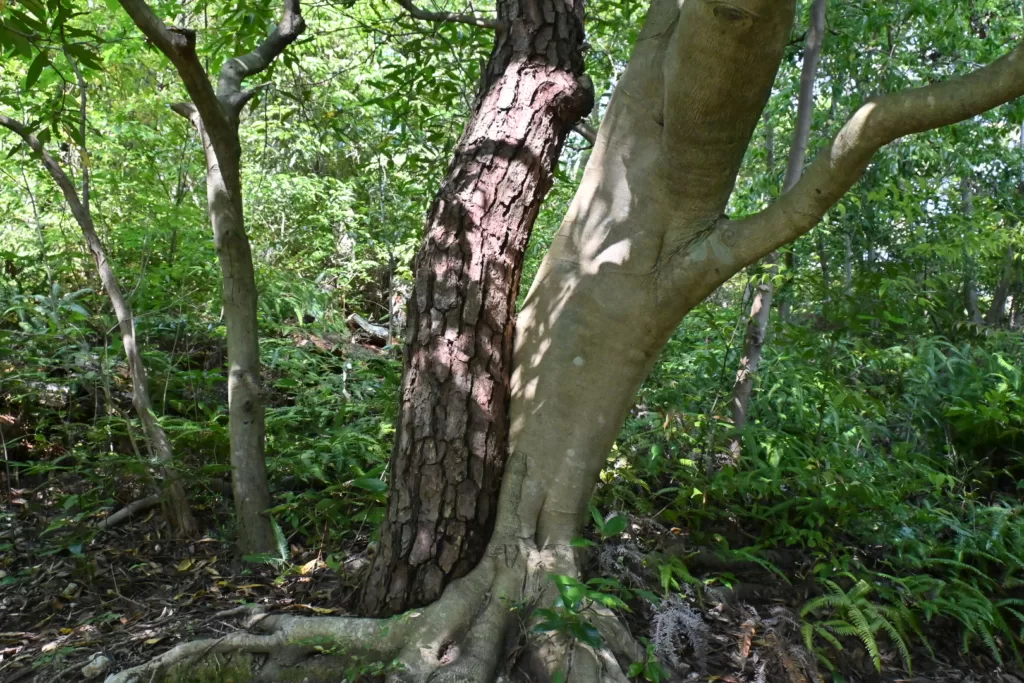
847,614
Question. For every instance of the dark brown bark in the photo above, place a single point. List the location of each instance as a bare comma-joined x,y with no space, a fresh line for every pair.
450,449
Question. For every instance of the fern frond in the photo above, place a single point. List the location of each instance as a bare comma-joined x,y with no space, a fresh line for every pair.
831,639
821,602
990,643
897,639
860,590
807,631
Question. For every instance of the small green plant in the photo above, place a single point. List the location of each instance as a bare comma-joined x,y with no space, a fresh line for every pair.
649,668
852,614
610,526
568,615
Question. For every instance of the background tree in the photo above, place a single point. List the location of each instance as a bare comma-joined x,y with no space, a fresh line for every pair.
760,308
215,115
174,498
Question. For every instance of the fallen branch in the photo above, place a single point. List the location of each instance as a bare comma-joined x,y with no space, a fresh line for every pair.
125,513
376,332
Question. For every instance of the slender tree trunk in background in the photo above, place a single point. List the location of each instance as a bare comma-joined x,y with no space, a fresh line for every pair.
215,115
451,445
1016,308
826,278
760,309
997,311
246,425
176,507
847,262
970,281
785,302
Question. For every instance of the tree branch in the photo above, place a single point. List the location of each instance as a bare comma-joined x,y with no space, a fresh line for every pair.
838,166
449,17
54,168
805,103
179,46
234,71
586,131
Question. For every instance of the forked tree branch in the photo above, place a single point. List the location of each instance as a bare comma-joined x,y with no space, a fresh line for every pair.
219,110
838,166
179,46
234,71
448,17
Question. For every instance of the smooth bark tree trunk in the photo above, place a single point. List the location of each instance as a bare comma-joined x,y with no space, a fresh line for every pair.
175,502
760,308
970,278
246,426
1016,308
826,277
215,115
451,446
847,263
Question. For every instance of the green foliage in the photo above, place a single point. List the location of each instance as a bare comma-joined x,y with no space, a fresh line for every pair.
649,668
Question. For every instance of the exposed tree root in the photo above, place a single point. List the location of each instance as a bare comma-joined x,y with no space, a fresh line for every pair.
476,633
479,631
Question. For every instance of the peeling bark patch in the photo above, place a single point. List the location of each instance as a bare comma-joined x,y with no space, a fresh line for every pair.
448,458
735,17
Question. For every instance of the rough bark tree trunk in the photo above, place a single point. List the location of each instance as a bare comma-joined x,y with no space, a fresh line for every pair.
175,502
448,457
760,309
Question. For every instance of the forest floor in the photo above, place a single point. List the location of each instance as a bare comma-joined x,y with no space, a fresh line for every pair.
130,594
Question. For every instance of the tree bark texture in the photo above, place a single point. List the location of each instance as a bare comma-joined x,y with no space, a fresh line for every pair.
176,507
451,446
760,308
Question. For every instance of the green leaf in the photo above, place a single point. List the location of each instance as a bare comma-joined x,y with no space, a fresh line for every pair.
614,526
375,485
35,69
